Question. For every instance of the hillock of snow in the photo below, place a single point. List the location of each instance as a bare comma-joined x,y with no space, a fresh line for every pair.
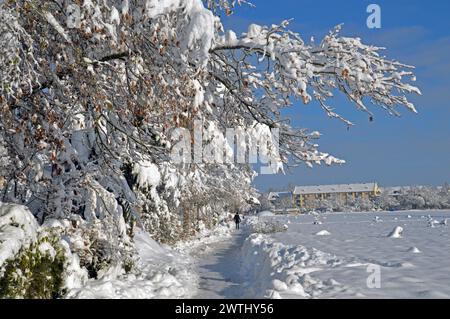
397,232
414,250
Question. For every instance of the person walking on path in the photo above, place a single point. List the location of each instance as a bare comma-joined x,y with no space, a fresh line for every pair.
237,220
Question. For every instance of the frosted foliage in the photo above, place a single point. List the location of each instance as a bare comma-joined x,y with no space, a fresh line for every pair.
4,162
88,111
147,174
18,229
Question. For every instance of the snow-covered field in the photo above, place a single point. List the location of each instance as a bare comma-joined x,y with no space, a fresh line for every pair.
335,255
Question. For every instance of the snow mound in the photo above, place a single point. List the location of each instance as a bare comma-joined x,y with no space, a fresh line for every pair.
323,233
397,232
433,223
265,213
377,219
18,228
414,250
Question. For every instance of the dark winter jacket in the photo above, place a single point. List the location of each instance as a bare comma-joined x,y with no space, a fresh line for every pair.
237,218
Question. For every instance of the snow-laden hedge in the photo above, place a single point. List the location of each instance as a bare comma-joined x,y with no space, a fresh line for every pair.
36,271
18,228
34,261
265,224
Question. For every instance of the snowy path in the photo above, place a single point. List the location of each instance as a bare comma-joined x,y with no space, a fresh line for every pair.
218,269
297,263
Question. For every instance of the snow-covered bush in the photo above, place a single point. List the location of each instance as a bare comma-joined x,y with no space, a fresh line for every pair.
18,228
387,202
34,261
36,272
421,197
338,204
362,204
267,226
265,204
404,198
97,251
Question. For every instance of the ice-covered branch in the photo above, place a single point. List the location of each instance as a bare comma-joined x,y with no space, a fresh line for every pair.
315,71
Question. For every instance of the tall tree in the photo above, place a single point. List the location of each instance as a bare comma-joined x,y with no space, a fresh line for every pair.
91,91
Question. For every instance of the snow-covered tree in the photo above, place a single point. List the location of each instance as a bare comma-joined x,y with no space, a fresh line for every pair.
386,201
91,91
265,204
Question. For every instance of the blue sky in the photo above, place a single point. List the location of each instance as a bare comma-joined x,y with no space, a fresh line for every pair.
410,150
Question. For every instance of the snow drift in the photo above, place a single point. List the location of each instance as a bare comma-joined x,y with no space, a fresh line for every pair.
161,273
275,270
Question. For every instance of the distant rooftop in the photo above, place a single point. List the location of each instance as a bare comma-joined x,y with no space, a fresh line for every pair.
276,195
339,188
